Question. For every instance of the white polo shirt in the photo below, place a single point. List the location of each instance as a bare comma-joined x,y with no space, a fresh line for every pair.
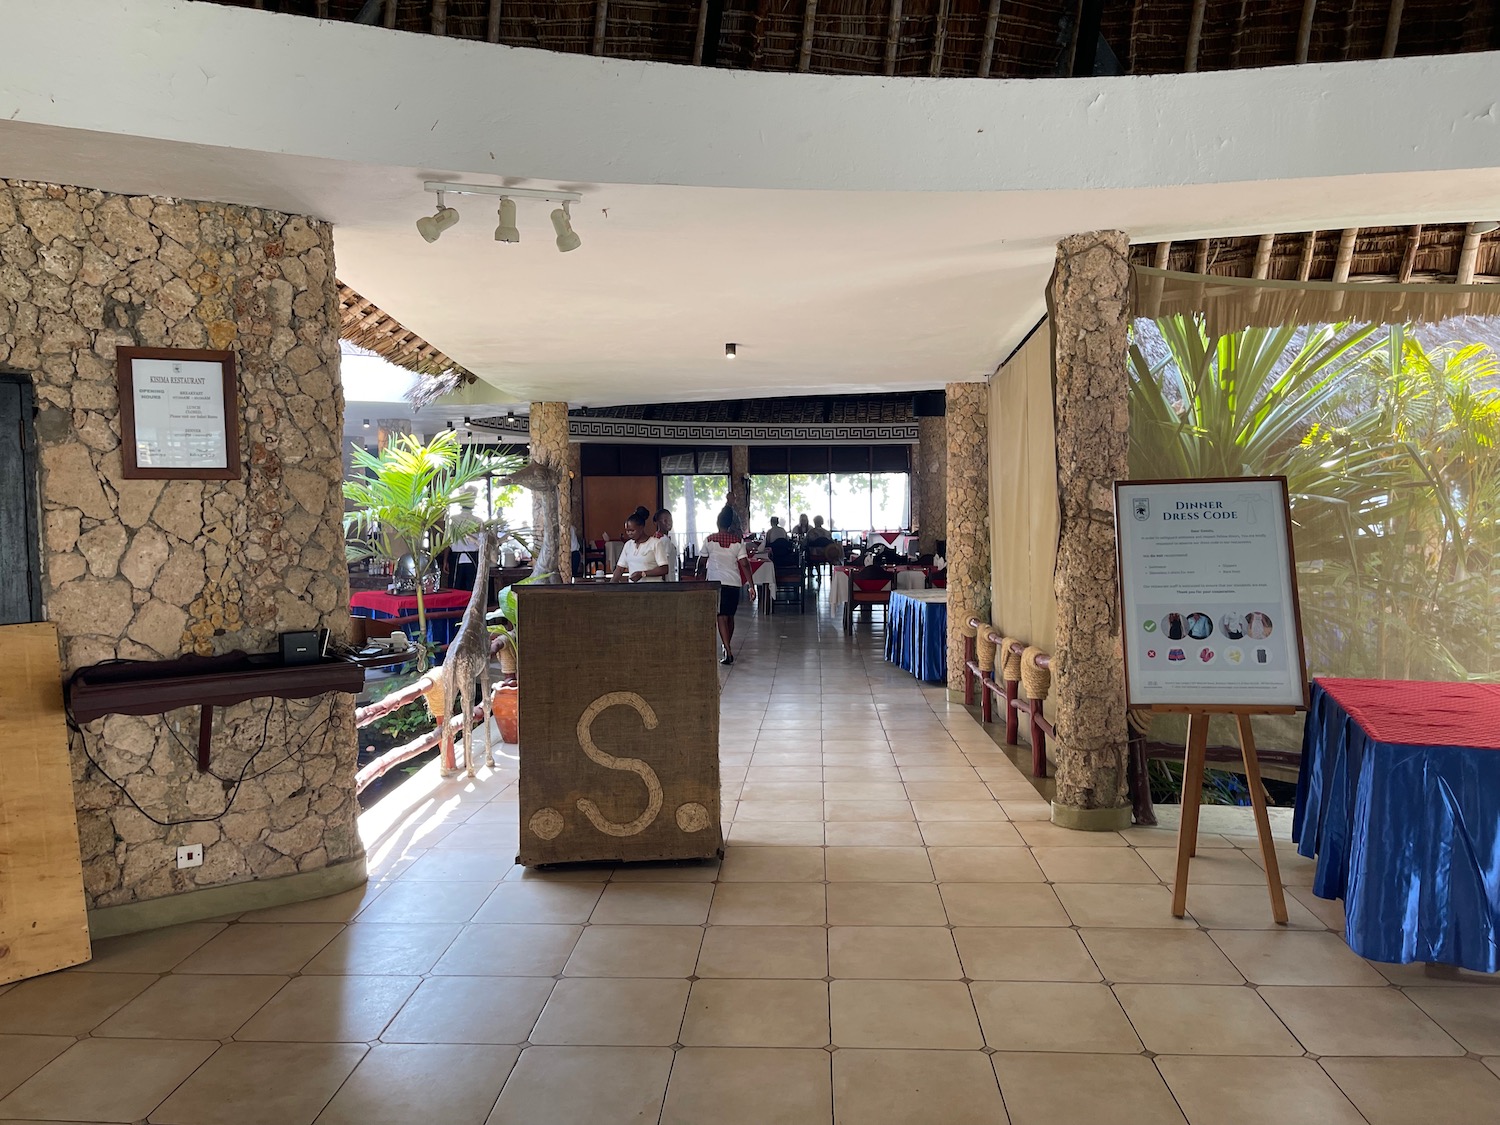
645,556
674,556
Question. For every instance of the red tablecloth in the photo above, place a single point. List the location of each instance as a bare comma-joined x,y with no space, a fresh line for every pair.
1422,714
404,605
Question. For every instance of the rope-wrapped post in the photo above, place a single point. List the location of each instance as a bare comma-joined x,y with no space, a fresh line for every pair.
1010,671
1036,678
985,644
970,631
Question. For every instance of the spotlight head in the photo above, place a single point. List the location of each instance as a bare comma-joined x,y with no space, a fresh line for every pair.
431,227
730,350
367,423
506,231
1484,227
510,415
562,223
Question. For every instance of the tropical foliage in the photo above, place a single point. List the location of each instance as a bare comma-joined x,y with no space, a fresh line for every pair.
1390,452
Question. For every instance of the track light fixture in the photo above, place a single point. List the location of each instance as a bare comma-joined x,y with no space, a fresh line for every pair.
506,231
567,238
431,227
1484,227
730,350
367,423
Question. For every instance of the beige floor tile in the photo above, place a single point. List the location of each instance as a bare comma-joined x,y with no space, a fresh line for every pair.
1093,865
21,1056
768,904
1002,904
635,951
916,1015
508,950
1329,911
68,1003
968,812
1255,1091
756,1013
777,833
1048,1016
839,768
1470,1015
476,866
1419,975
372,948
984,865
1070,1089
342,907
911,1087
540,901
654,904
401,1083
1404,1091
892,953
771,865
435,901
1295,957
617,1012
593,1085
947,791
262,1084
582,874
885,905
864,791
107,1080
873,834
782,791
878,865
1225,907
1051,836
764,951
193,1007
758,774
835,811
1159,957
749,1086
1204,1019
1210,865
779,810
971,834
1165,836
1358,1021
1023,953
274,947
471,1010
342,1009
497,838
960,772
1026,810
154,951
1126,905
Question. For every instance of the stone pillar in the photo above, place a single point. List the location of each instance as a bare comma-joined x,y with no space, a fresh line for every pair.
930,481
1089,302
739,488
549,446
967,517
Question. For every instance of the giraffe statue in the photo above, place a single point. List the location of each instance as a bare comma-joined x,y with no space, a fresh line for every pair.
468,660
544,480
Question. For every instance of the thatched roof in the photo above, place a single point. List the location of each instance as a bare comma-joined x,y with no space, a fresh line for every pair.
365,324
947,38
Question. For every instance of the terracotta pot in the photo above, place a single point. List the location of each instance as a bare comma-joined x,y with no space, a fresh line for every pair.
507,713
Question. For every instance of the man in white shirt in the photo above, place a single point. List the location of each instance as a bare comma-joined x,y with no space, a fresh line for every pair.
775,531
664,533
644,557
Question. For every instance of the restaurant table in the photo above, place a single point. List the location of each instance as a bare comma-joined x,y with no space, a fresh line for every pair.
763,574
916,633
1398,799
378,603
907,578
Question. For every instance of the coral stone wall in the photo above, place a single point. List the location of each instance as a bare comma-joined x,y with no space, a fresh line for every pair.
549,445
930,481
968,516
143,569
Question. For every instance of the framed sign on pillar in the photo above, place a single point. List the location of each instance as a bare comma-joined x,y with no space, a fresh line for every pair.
1211,625
179,414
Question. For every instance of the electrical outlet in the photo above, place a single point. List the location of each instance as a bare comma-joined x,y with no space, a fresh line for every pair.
190,855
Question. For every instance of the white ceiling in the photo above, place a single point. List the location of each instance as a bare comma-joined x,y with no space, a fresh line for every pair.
824,290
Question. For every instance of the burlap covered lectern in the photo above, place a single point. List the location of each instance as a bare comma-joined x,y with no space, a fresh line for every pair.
619,707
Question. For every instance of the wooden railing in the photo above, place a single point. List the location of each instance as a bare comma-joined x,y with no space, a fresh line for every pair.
1025,678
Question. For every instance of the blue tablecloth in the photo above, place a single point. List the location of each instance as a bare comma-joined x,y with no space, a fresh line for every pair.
916,633
1407,835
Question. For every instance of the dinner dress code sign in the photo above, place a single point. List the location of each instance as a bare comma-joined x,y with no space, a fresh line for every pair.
1208,593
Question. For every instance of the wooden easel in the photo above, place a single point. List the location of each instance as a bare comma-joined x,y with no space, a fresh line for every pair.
1192,795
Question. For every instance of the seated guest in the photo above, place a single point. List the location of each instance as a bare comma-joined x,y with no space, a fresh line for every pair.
775,531
783,554
803,528
728,565
664,533
644,557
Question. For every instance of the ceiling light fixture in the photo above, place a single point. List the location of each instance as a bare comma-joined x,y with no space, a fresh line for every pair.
730,350
562,223
1484,227
431,227
506,231
367,423
510,415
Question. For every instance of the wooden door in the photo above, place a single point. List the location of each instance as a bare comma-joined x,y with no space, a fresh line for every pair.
43,919
20,570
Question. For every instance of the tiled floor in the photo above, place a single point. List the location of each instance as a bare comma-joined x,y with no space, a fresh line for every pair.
895,935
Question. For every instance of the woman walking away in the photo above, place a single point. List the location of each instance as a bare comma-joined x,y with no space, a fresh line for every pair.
644,557
728,565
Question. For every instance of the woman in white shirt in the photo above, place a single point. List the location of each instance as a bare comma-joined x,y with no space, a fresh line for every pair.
728,565
644,557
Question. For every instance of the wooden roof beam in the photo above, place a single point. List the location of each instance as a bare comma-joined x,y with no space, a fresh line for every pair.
809,22
991,26
1468,255
440,17
1392,29
893,40
1304,29
1309,245
601,19
492,34
1194,37
1263,256
939,39
1409,255
1345,258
